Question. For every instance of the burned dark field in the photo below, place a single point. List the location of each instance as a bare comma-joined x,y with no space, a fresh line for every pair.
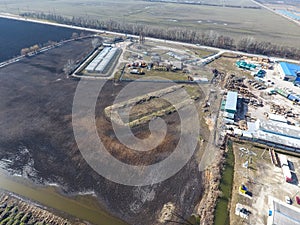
37,140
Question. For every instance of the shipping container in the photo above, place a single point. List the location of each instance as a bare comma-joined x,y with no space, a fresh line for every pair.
293,98
282,92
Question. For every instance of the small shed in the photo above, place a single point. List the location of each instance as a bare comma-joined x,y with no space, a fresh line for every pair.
177,65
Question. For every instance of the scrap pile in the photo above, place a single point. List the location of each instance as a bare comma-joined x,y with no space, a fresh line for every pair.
219,76
257,85
235,83
282,110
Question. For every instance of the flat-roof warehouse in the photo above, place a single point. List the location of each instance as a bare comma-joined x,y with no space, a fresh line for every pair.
231,102
283,214
289,71
274,134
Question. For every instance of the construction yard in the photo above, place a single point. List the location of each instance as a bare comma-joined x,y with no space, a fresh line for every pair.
159,61
259,97
263,180
263,114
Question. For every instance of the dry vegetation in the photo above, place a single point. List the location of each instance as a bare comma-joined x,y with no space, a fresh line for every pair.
144,108
211,178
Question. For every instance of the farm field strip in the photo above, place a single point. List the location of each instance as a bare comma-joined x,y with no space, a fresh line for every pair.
235,22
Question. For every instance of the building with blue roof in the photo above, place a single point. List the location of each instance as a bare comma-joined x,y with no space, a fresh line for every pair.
297,81
260,73
289,71
289,14
231,102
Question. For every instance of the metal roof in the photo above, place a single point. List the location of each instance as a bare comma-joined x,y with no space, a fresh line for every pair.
275,132
278,118
229,115
290,69
106,60
97,60
278,139
281,129
283,214
231,100
228,121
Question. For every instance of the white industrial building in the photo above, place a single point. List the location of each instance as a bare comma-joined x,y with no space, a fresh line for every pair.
100,68
285,168
273,133
178,56
94,63
102,60
231,102
277,118
281,213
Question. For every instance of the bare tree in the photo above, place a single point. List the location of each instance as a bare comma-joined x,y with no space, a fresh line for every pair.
25,51
69,67
75,35
96,42
210,38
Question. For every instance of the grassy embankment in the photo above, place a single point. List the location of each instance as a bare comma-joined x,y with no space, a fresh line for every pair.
222,213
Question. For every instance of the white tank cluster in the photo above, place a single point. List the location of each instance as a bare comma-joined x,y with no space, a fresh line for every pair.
102,60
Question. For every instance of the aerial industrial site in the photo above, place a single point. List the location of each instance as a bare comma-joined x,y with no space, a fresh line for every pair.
254,101
165,112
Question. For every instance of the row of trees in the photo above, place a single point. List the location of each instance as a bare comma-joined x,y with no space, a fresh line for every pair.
33,48
221,4
210,38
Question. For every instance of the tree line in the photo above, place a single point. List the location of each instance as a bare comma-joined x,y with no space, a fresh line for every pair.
33,48
208,38
205,3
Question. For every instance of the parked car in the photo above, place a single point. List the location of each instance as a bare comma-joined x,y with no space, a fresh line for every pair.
298,200
288,200
245,211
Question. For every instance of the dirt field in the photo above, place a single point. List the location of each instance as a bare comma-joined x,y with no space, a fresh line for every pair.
262,179
36,106
227,65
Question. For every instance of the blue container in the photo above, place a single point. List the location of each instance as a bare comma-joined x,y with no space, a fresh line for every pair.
293,98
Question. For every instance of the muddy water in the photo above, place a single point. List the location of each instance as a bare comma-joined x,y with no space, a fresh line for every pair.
82,207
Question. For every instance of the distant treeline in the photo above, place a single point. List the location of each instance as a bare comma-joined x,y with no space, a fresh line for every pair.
208,38
203,3
286,2
33,48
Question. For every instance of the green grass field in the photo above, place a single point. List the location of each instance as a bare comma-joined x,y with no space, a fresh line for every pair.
261,24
